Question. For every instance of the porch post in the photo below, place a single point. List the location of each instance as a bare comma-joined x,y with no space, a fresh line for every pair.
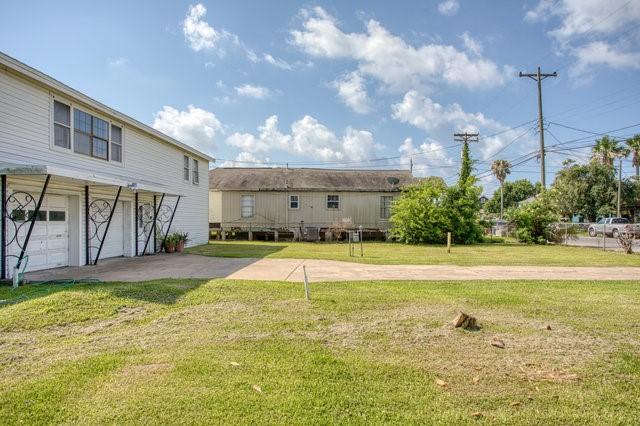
135,196
173,213
106,230
3,231
33,221
154,223
87,260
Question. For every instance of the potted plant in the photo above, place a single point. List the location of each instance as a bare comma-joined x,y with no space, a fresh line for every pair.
170,244
181,240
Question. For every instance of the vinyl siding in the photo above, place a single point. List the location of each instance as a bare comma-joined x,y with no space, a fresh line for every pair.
25,137
272,209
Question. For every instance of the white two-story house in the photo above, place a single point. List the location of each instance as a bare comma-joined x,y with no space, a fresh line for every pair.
81,182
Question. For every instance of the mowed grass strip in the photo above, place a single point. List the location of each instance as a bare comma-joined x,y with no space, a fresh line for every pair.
242,352
405,254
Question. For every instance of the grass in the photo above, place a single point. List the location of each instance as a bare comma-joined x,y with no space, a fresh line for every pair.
242,352
395,253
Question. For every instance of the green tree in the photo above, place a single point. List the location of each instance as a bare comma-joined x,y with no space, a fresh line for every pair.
466,168
513,192
426,211
500,169
606,149
587,189
634,148
533,219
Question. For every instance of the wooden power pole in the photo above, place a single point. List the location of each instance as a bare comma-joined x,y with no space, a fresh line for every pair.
538,77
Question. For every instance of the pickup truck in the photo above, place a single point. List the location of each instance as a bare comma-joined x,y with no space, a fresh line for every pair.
613,226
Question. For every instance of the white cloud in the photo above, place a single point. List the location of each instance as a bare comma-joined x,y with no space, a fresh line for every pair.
199,34
449,7
586,28
423,113
195,126
386,57
352,91
246,159
308,137
276,62
430,158
472,45
252,91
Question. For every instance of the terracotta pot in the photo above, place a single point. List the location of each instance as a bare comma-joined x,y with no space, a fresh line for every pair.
180,247
169,248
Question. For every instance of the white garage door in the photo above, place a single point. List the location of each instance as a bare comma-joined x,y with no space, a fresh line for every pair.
114,243
49,243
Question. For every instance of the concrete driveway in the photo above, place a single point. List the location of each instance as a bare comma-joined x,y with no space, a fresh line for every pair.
194,266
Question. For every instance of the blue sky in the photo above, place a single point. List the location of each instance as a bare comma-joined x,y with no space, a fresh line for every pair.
337,84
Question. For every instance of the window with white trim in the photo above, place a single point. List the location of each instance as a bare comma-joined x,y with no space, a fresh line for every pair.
61,125
247,206
116,143
294,202
90,135
196,175
186,172
333,202
385,206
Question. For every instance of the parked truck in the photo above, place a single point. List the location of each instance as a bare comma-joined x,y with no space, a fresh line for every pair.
613,226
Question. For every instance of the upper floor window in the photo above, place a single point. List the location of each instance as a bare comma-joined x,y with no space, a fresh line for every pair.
186,173
333,202
61,125
294,202
247,206
85,133
116,143
196,175
385,206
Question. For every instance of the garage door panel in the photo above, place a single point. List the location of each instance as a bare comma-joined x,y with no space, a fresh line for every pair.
114,242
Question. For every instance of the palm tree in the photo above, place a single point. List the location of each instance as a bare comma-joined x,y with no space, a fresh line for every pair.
500,169
606,149
634,148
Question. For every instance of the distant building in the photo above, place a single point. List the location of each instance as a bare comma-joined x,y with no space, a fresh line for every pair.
308,204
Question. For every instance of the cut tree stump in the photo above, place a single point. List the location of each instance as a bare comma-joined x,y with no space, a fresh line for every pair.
465,321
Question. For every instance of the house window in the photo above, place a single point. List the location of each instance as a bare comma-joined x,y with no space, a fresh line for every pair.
186,172
90,135
116,143
294,202
247,206
61,125
385,206
196,175
333,202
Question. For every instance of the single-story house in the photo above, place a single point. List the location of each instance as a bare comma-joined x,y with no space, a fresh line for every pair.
304,203
82,182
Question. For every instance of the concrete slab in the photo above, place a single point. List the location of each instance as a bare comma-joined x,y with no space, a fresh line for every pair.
194,266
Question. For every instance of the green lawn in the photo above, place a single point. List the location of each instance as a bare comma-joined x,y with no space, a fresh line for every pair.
395,253
241,352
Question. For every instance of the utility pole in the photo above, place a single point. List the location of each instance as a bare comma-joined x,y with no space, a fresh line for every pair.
466,166
538,77
411,165
619,183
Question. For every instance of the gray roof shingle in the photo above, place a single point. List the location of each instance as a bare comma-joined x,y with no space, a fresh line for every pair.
280,179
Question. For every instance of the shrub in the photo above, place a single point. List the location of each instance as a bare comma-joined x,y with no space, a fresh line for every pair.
426,211
533,220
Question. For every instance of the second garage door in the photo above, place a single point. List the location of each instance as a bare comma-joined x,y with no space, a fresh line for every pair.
114,243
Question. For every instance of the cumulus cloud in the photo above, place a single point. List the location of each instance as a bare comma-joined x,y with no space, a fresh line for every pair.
585,29
308,137
246,159
198,33
195,126
429,158
423,113
252,91
386,57
449,7
352,91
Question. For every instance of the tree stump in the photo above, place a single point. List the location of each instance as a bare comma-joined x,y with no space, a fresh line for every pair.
465,321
